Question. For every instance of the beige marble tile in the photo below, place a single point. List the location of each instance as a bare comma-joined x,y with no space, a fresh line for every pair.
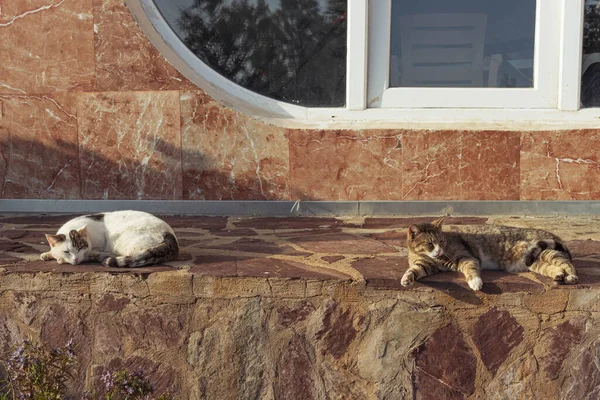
227,156
38,147
130,145
46,46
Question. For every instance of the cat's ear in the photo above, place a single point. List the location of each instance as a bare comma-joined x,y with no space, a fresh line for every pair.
438,222
413,231
53,240
83,232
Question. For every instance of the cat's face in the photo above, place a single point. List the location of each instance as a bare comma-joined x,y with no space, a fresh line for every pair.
72,249
427,239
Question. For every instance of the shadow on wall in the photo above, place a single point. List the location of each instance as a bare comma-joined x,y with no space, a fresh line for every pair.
46,168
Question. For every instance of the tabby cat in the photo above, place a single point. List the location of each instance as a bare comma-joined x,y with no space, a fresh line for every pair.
471,249
123,239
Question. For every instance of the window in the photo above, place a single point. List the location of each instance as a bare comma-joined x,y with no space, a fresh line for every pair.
590,70
348,62
462,43
293,51
463,53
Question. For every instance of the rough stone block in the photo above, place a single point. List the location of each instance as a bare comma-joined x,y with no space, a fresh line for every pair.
495,334
171,287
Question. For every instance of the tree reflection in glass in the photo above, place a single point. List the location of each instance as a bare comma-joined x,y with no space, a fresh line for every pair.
289,50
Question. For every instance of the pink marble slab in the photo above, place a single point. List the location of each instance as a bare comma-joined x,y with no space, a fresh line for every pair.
46,46
130,145
228,156
38,147
125,58
561,165
345,165
455,165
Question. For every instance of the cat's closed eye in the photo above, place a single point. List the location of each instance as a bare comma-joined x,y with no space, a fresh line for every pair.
66,252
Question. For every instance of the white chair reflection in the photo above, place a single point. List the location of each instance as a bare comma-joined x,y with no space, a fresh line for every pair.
444,50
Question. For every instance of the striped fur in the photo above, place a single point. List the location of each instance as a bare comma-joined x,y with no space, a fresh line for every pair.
471,249
555,264
165,251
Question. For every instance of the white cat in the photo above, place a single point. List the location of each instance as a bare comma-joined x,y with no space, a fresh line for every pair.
123,239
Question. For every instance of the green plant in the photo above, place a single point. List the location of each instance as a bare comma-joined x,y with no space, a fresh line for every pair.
35,372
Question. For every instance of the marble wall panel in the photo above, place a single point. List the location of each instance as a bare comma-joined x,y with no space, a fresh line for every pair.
456,165
125,58
130,145
46,46
90,109
346,165
38,147
561,165
227,156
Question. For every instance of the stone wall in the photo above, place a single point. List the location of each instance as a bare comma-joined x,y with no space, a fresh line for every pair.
90,110
310,308
207,337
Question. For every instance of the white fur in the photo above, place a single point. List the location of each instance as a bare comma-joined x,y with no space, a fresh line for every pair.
123,233
436,252
408,278
475,283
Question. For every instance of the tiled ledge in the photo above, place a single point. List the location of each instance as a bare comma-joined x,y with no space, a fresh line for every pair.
309,308
295,257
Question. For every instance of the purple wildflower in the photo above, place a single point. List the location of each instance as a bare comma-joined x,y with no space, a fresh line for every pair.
109,381
18,354
70,350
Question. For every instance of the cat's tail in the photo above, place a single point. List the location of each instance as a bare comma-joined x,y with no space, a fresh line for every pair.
167,250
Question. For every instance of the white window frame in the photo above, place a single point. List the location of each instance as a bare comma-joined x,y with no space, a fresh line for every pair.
553,103
543,94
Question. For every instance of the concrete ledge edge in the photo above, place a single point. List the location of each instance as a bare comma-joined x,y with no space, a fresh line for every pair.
305,208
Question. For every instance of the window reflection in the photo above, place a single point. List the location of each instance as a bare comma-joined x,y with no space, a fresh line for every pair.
462,43
590,71
289,50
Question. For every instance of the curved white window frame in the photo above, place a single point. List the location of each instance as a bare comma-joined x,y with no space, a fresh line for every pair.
563,113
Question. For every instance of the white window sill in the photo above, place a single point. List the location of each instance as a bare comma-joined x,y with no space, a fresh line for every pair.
443,119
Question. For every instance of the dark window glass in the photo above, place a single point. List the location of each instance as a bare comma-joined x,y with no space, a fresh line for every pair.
289,50
590,72
462,43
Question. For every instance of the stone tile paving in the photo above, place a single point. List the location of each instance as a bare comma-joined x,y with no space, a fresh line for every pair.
372,250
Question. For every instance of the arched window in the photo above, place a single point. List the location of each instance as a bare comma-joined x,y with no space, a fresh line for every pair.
290,50
353,62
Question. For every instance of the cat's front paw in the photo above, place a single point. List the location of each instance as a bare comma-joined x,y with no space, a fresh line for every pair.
566,278
571,279
475,283
46,256
408,278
